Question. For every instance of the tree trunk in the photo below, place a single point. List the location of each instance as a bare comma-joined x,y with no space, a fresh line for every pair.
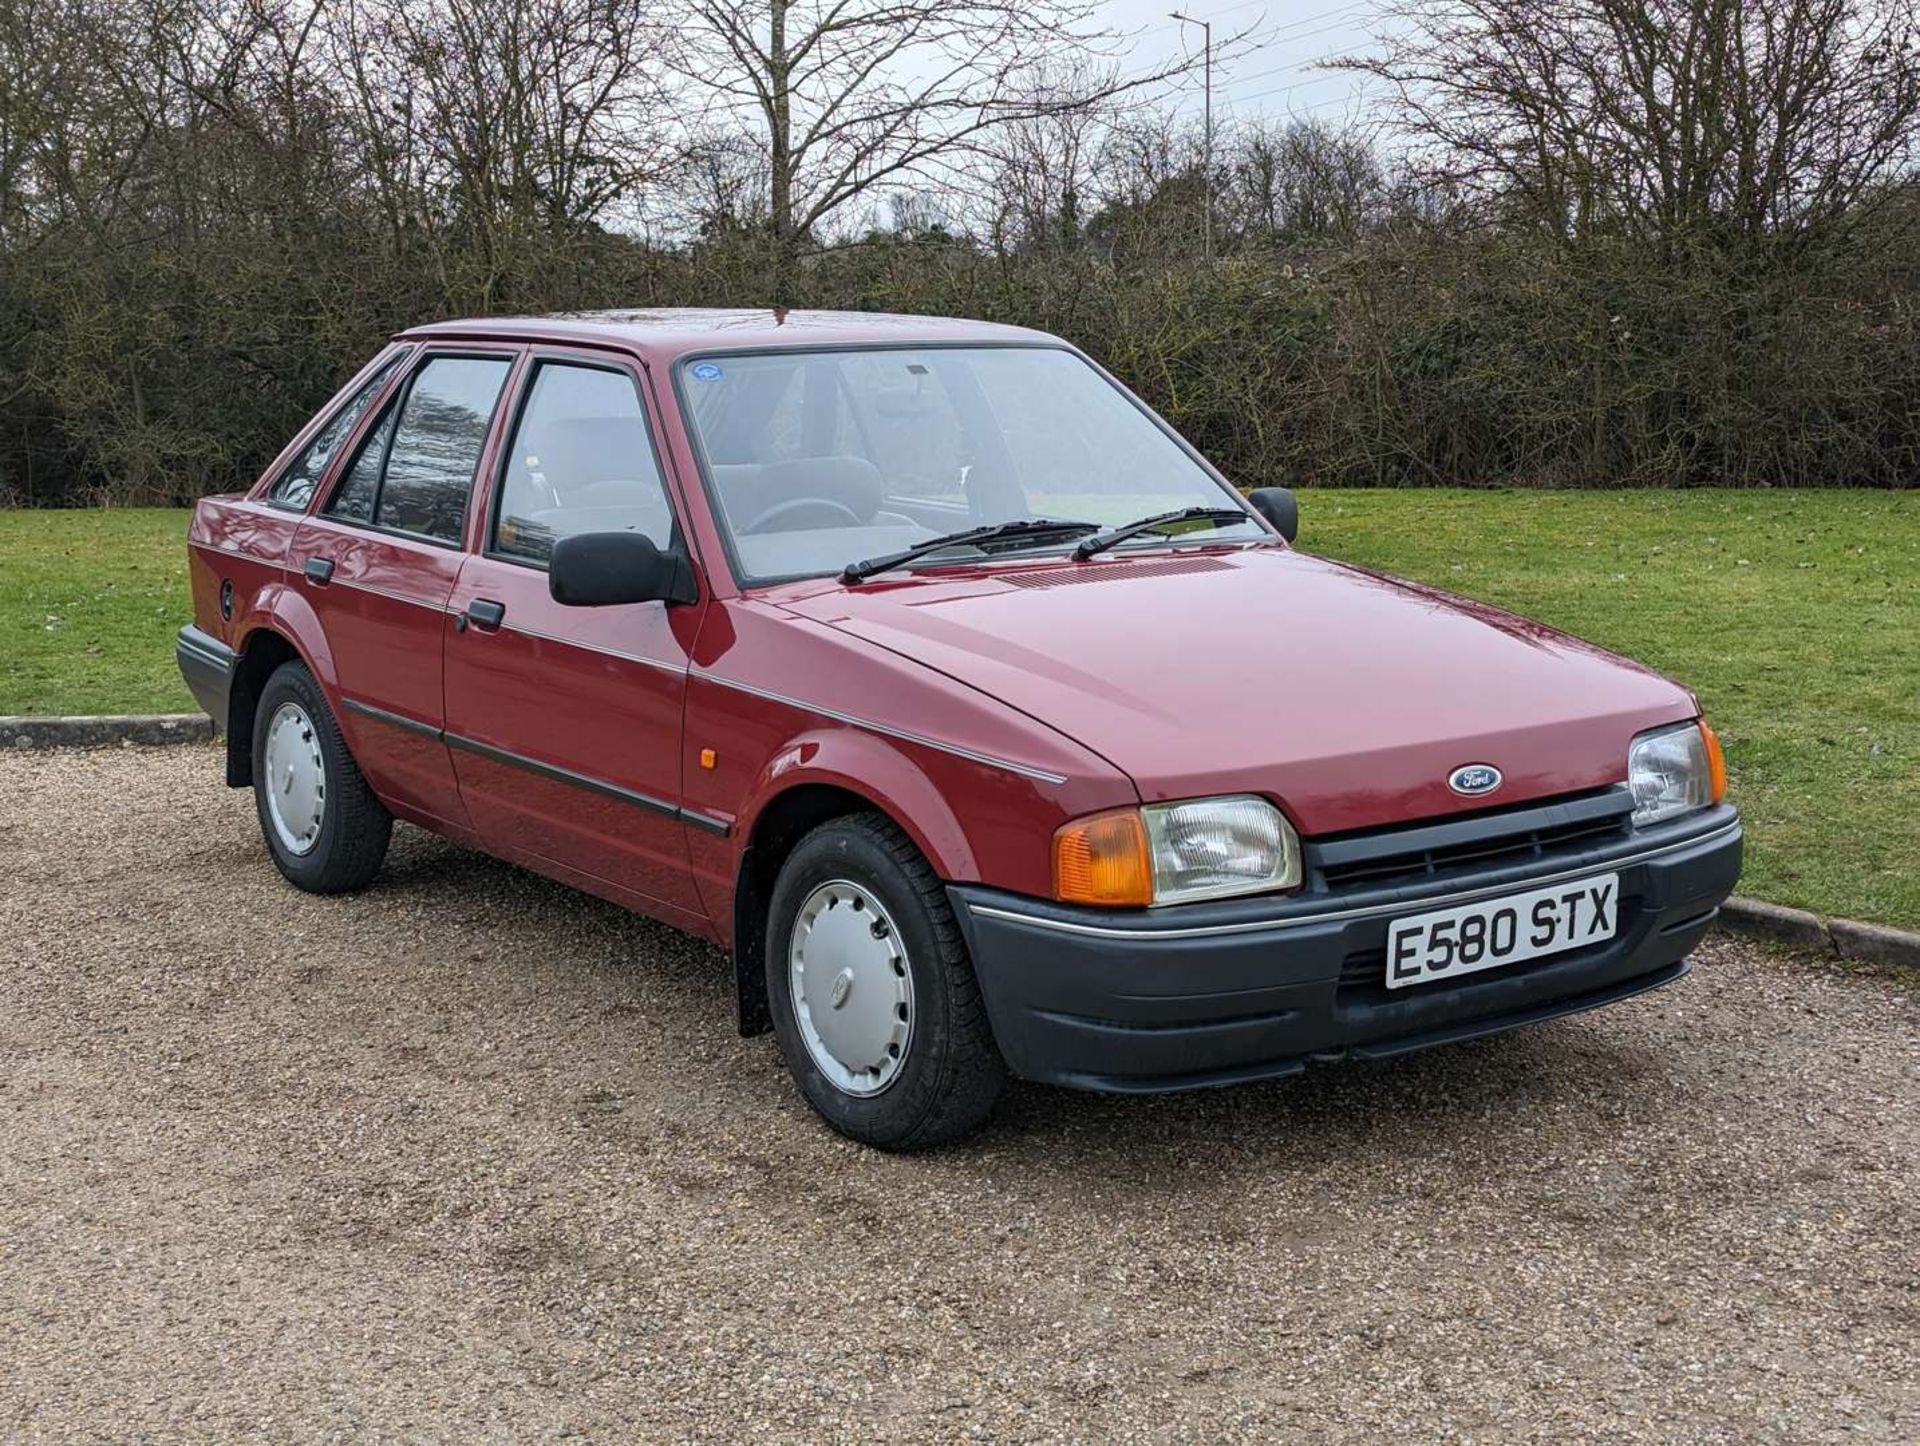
780,125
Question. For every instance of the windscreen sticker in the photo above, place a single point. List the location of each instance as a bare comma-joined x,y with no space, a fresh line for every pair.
706,371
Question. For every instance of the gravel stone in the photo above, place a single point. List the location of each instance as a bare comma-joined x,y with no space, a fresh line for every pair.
471,1156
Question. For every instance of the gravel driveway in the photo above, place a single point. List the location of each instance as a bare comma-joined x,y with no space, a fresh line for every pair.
470,1155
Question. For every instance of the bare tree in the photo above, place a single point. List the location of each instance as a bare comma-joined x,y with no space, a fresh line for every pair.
725,186
1304,180
1679,119
1043,167
497,119
1152,191
849,95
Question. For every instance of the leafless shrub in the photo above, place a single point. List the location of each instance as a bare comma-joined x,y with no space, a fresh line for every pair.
1665,243
1682,122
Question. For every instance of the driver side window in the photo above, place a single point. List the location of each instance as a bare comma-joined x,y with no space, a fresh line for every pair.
581,460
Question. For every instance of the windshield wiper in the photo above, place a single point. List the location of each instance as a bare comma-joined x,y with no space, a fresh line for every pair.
993,532
1218,516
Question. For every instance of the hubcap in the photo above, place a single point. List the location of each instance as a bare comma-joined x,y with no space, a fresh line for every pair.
295,777
852,990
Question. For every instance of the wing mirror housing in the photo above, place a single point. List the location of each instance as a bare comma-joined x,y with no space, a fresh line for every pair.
1278,506
600,569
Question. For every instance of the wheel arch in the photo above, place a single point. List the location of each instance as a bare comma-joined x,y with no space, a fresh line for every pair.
280,628
794,806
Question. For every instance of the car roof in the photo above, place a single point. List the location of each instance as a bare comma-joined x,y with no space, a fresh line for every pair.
668,332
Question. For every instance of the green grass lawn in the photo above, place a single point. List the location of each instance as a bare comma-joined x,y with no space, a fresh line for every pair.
89,604
1794,615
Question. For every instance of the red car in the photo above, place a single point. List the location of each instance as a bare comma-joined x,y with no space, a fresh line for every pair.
923,669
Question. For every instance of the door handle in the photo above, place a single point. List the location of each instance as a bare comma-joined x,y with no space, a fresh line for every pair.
485,613
319,571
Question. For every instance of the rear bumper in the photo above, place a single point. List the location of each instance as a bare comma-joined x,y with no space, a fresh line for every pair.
207,665
1212,994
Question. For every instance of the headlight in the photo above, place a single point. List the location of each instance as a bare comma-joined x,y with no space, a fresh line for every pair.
1674,771
1171,853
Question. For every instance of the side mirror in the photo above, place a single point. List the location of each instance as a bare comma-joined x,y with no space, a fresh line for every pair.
598,569
1277,505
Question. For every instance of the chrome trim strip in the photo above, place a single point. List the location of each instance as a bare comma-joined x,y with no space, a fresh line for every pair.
660,663
1372,911
398,720
236,552
562,775
545,770
1025,770
355,585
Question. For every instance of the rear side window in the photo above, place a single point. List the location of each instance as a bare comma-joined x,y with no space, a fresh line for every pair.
353,499
293,489
415,471
581,460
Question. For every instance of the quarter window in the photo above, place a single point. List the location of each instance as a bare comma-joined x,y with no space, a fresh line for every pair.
581,461
414,472
294,488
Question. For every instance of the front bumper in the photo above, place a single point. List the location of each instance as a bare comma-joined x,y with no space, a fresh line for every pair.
207,664
1210,994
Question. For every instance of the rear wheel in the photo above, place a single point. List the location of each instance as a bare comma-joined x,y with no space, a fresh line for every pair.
874,1001
323,827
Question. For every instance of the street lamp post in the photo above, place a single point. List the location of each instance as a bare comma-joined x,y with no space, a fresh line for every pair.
1207,148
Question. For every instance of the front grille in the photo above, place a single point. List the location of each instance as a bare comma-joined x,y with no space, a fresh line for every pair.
1429,863
1390,858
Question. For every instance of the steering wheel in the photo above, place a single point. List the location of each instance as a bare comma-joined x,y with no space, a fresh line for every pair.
798,512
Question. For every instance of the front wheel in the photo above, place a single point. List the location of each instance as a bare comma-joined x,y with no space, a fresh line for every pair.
323,827
874,1001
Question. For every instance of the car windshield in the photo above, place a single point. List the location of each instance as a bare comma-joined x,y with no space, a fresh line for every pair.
817,460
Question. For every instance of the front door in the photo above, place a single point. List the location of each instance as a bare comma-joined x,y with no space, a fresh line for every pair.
378,564
565,722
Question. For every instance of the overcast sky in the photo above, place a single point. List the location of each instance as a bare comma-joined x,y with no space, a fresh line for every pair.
1275,77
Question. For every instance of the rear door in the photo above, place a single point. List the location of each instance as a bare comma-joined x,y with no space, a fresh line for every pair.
565,722
378,562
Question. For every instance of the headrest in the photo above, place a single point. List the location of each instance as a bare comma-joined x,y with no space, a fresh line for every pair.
578,451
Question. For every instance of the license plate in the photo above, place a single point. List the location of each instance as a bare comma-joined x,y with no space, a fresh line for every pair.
1451,942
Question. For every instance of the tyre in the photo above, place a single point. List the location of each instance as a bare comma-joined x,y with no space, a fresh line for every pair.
874,1002
325,830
